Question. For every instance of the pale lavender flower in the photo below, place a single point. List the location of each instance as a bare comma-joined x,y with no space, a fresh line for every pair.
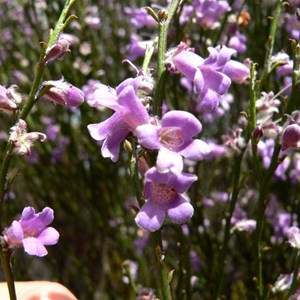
238,42
281,223
209,12
165,194
283,282
93,22
23,140
174,138
63,93
9,99
211,77
137,47
234,140
247,225
31,232
139,17
295,169
129,114
293,235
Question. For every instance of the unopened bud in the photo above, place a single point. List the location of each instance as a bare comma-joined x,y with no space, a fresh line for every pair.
127,146
290,137
63,93
257,134
57,50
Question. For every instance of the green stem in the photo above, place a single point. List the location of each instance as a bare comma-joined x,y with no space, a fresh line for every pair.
294,99
7,269
294,284
163,27
270,45
232,203
135,175
148,55
163,274
263,192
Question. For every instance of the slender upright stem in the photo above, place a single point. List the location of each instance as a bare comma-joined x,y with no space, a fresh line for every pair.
163,27
294,284
228,216
9,276
270,45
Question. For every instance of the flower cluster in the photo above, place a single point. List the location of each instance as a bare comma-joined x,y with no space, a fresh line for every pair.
172,137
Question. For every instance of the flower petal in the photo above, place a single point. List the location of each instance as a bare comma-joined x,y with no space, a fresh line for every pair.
169,161
181,211
33,246
150,217
196,150
49,236
148,136
189,124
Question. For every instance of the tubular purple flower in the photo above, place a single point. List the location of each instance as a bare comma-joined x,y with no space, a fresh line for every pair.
175,134
129,113
63,93
164,193
31,232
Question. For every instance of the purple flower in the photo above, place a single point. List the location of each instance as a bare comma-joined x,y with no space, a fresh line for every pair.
63,93
293,234
129,114
139,17
211,77
174,138
9,99
209,12
31,231
23,140
164,193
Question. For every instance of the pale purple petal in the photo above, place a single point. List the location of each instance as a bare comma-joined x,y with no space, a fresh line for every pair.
104,96
208,101
168,161
237,71
181,211
187,62
216,81
38,221
14,234
34,247
132,110
188,123
148,136
180,182
49,236
150,217
196,150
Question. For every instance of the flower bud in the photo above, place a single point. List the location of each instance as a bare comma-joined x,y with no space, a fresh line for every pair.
291,137
57,50
63,93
